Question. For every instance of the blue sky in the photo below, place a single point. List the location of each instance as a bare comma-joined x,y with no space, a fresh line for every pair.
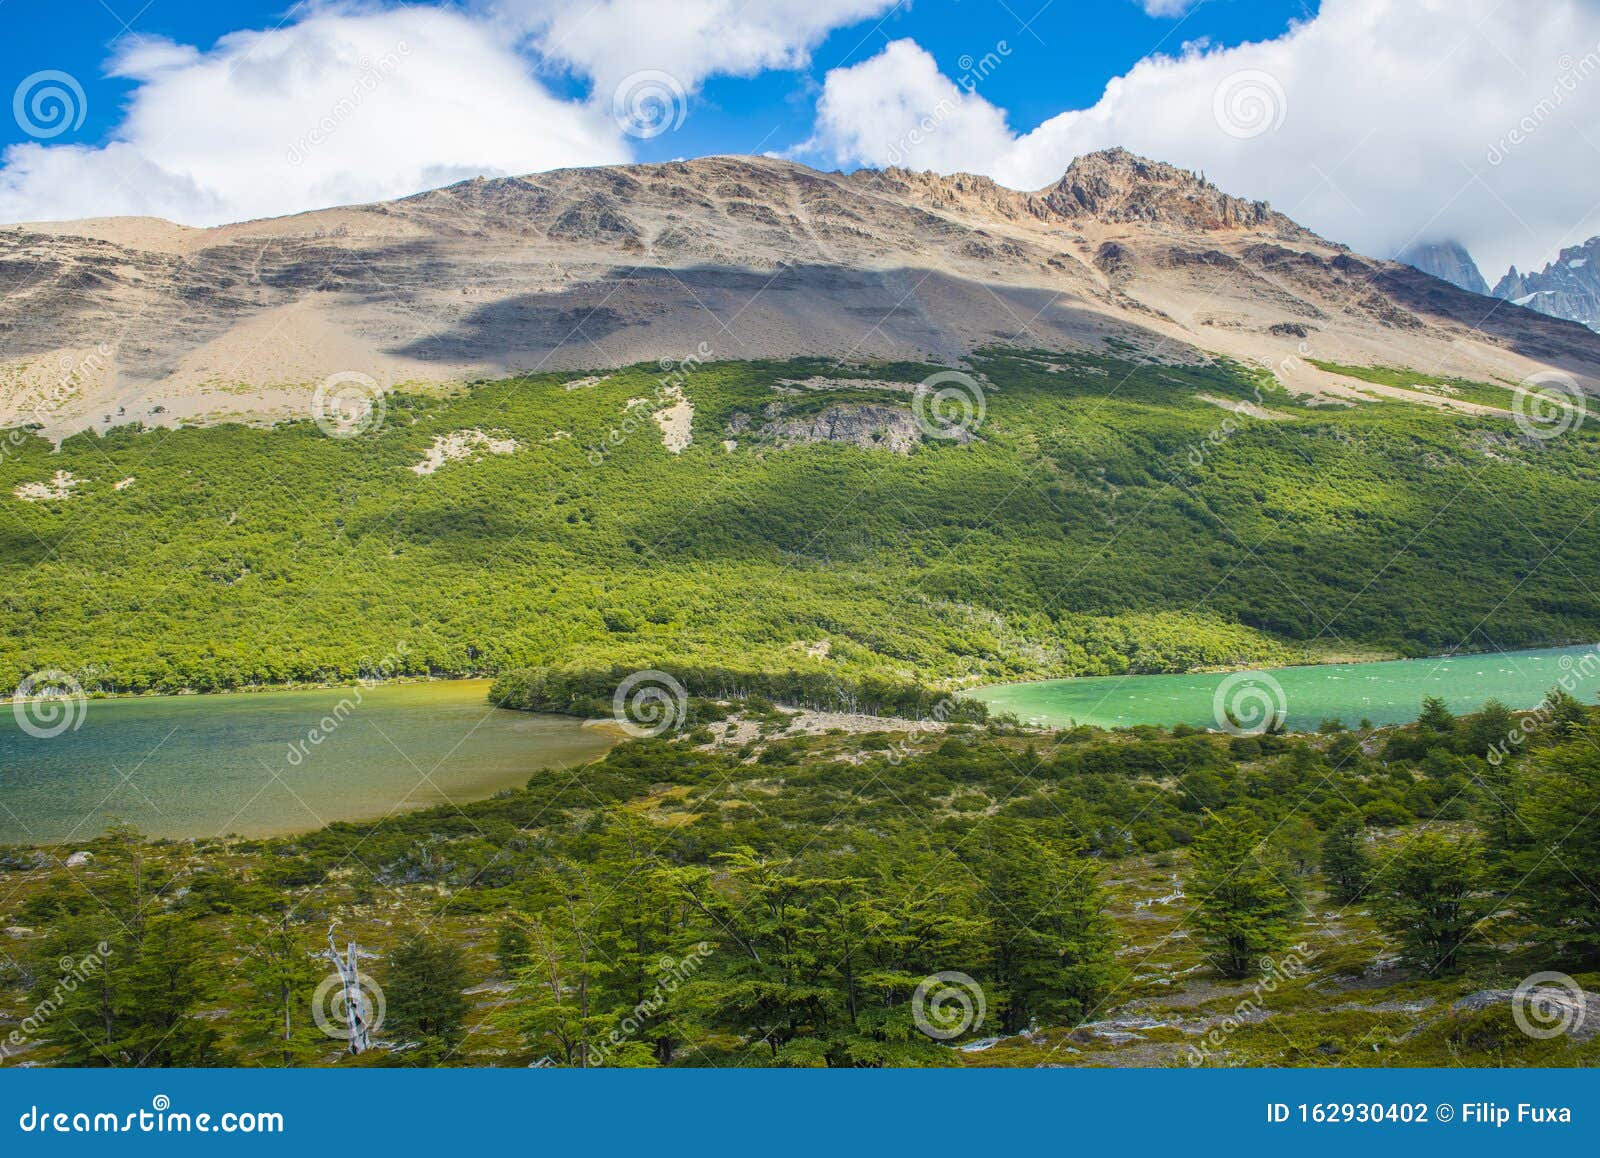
1064,52
1376,122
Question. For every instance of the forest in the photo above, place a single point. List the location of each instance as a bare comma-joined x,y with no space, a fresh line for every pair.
231,556
940,894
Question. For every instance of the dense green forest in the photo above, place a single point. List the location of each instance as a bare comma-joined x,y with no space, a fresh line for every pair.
946,895
1106,517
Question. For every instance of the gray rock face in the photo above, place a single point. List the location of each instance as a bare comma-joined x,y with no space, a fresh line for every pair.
1568,287
1448,261
867,426
1549,1010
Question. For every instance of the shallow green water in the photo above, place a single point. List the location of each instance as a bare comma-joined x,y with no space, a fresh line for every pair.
186,766
1390,692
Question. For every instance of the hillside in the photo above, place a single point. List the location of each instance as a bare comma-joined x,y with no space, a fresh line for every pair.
1097,514
112,321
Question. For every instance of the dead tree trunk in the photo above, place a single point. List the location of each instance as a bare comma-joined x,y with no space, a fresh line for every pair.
351,1000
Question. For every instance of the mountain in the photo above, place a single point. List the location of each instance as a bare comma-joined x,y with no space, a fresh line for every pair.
1568,287
110,321
1448,261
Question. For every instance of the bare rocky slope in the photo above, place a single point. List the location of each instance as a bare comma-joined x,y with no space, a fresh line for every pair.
110,321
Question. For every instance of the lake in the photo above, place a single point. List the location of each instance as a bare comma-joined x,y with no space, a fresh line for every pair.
183,766
1388,692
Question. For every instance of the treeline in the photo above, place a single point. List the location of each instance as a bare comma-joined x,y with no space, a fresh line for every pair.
591,692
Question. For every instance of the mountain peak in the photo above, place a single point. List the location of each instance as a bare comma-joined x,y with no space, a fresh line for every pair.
1119,186
1446,260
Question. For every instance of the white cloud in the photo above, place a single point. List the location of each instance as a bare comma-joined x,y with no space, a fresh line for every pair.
898,109
608,40
1167,9
1390,113
340,107
357,103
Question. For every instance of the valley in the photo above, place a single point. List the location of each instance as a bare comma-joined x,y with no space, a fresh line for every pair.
749,486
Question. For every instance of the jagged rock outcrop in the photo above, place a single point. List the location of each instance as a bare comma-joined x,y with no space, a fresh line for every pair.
1568,287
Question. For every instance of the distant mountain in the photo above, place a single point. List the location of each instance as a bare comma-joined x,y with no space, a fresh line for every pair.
1568,287
1448,261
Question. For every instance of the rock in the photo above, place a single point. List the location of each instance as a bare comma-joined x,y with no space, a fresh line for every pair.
17,931
870,427
79,859
1550,1010
1448,261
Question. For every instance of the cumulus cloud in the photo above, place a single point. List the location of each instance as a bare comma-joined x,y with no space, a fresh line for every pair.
339,107
1377,123
609,40
358,103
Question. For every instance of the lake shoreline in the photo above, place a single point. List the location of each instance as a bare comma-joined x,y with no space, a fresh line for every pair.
1337,661
1301,697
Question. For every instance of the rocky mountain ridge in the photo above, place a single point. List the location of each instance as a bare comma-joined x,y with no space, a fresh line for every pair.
110,321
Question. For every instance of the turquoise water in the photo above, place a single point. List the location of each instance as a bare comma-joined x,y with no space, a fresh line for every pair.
1389,692
184,766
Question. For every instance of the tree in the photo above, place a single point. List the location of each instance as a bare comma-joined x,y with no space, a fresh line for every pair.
1426,897
282,975
1490,730
1248,902
1345,861
1050,940
1559,865
1437,722
422,990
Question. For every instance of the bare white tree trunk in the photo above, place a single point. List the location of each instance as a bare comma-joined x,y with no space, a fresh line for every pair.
352,1000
